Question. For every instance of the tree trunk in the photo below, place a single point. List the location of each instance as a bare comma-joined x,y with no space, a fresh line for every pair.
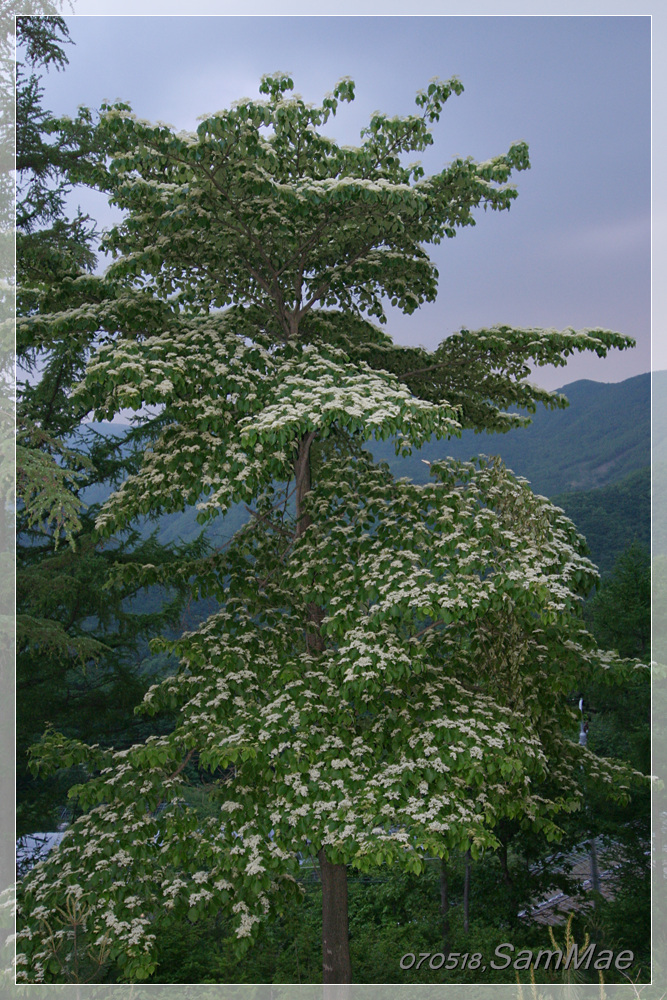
314,641
336,966
502,855
466,894
508,880
444,906
302,477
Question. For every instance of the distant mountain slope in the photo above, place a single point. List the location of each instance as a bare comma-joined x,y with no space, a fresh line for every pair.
612,517
592,458
602,436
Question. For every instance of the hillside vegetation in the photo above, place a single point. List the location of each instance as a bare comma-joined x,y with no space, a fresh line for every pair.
601,437
612,517
592,459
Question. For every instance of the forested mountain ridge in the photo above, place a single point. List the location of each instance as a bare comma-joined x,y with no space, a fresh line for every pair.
592,458
601,437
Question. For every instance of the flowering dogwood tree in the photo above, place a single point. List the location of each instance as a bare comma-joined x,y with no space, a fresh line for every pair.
386,676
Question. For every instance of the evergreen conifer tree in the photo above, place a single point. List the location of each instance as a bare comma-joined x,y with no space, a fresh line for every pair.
80,643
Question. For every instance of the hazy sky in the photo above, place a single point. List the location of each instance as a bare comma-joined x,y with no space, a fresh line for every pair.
575,248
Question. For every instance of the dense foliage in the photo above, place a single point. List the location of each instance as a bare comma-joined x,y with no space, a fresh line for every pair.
80,642
611,516
613,519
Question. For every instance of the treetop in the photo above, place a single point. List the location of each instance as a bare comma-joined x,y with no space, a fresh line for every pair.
259,206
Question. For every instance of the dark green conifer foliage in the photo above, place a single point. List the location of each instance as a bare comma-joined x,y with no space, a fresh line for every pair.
80,641
621,609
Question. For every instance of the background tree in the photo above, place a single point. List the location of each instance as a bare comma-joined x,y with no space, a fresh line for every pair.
620,611
379,681
80,643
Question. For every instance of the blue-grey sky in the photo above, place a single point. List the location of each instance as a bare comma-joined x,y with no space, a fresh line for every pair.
575,248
